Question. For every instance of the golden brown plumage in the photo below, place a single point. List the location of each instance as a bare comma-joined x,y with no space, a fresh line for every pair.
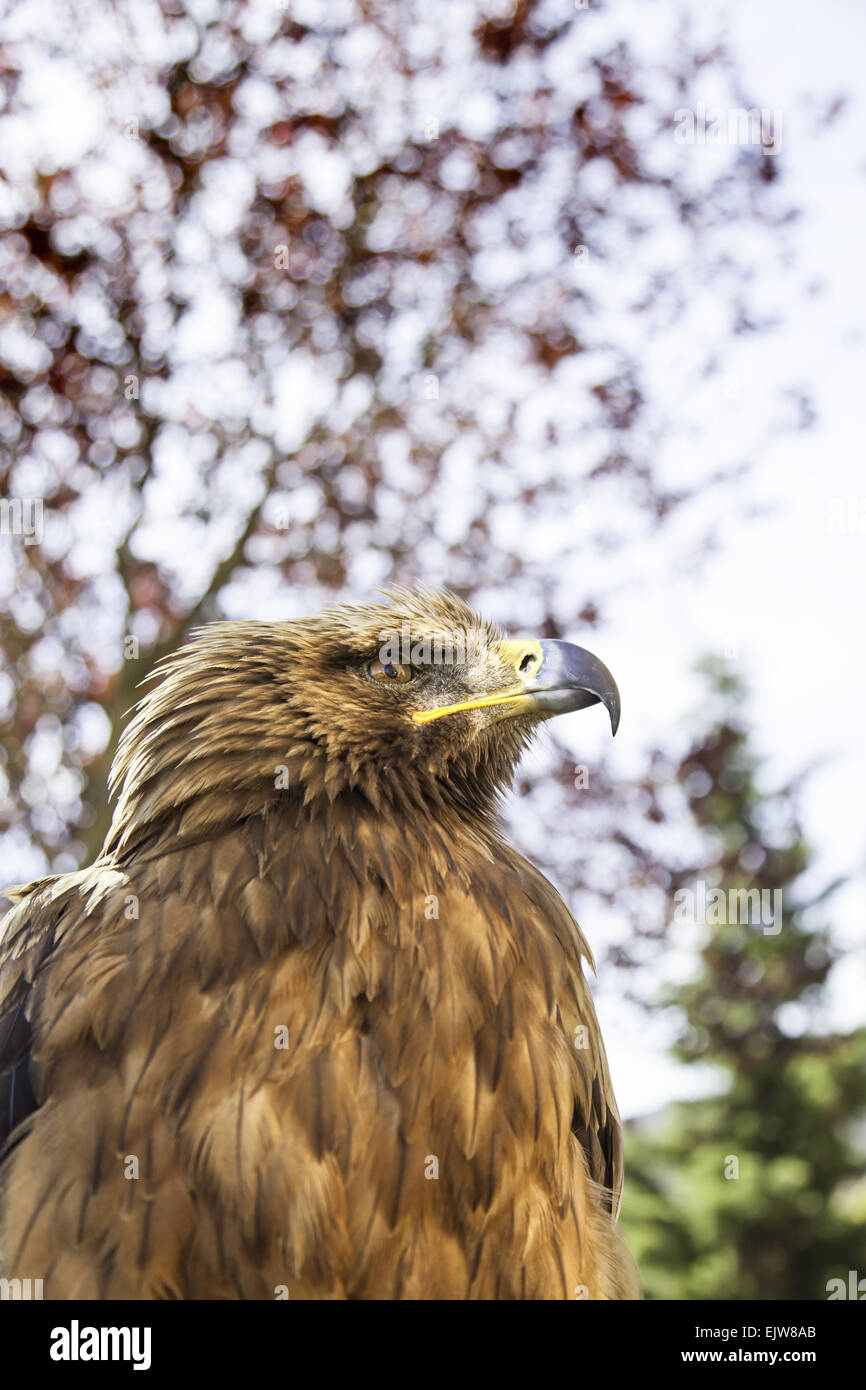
309,1026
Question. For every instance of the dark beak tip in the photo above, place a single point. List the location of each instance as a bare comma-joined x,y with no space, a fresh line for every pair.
611,704
570,668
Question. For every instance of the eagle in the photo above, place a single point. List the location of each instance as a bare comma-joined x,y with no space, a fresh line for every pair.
310,1027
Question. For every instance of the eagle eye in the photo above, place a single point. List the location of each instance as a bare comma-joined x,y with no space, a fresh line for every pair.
390,671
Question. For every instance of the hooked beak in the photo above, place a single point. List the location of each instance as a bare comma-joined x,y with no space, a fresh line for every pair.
552,678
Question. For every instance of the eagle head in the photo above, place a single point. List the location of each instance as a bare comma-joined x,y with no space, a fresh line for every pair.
415,701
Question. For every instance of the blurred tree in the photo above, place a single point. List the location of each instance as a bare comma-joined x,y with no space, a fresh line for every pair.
757,1192
298,299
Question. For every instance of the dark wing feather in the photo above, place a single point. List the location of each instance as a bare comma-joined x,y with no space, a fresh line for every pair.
27,937
17,1098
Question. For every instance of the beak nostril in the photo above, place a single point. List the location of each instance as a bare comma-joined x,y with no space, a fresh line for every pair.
527,663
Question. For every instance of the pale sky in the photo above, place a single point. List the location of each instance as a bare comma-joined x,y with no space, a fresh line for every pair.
784,590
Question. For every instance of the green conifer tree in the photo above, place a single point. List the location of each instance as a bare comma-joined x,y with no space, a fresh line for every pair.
757,1192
